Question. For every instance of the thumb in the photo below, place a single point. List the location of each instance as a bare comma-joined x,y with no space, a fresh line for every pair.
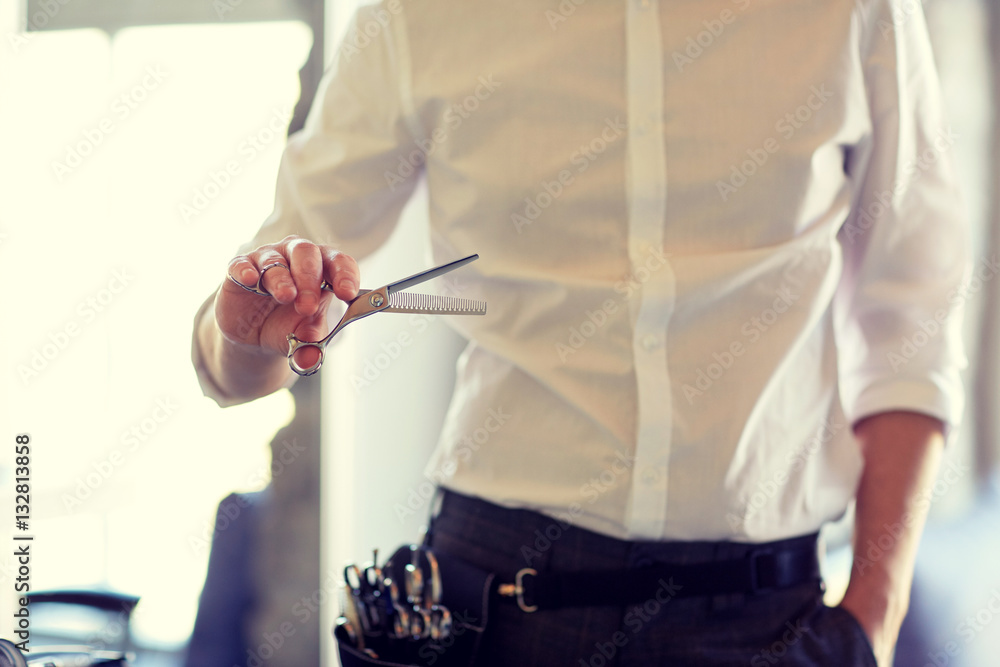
311,329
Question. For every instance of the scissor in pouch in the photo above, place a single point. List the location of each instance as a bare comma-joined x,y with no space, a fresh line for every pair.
420,608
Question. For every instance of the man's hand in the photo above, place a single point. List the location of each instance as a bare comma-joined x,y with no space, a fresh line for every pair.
244,345
902,451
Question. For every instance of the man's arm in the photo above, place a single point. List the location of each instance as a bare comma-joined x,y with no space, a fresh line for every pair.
339,187
902,451
241,372
906,253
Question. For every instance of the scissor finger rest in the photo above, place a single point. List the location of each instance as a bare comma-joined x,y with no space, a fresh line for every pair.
294,345
366,303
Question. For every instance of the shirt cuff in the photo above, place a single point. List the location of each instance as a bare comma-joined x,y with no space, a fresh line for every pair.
208,385
941,400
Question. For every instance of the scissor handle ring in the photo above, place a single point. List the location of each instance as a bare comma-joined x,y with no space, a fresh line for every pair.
294,345
259,288
401,621
420,623
441,622
10,655
356,571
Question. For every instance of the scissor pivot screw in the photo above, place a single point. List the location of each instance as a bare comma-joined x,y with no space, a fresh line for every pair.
377,300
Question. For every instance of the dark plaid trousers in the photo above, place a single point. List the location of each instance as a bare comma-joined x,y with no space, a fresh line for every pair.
784,627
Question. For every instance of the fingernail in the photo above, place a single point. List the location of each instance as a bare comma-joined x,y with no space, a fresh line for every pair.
347,284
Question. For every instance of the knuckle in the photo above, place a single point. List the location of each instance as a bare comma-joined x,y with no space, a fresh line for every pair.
264,255
344,262
310,255
265,248
299,244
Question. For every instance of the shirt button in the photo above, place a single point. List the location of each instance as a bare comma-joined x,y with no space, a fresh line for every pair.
649,476
641,129
650,342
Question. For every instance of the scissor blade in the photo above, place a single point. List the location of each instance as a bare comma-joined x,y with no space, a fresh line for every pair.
429,304
423,276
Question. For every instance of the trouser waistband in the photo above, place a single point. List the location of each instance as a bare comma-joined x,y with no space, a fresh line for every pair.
563,565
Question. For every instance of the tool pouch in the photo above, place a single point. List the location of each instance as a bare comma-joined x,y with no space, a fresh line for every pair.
465,591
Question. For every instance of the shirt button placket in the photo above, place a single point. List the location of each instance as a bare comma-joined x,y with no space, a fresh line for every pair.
653,300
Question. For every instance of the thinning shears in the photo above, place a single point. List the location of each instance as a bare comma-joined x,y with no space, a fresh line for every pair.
386,299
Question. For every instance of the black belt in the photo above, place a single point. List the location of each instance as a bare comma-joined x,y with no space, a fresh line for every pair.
763,569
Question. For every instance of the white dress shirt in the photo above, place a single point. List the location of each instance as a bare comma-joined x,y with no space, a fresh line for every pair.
713,234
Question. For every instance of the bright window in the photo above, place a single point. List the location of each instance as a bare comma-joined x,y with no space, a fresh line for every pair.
131,167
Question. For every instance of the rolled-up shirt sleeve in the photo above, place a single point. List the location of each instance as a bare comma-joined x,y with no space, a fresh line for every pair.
345,177
898,310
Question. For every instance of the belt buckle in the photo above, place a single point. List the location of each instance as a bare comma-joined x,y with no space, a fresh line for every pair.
754,558
516,590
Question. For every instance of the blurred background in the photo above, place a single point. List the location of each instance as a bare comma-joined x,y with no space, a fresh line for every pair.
139,143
